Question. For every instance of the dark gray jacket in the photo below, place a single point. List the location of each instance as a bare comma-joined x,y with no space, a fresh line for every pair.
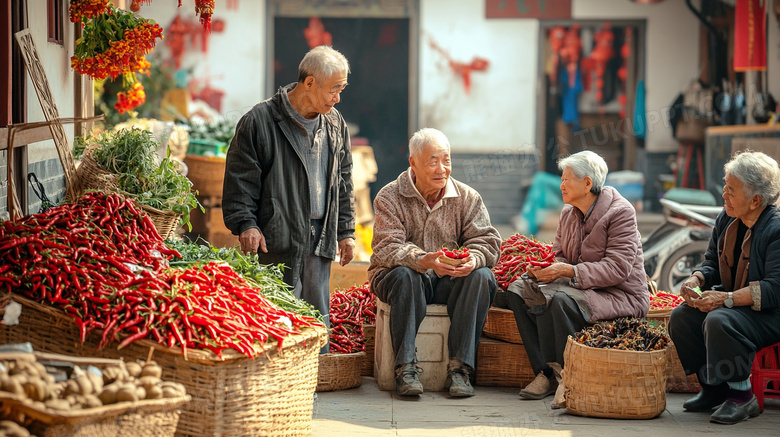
266,185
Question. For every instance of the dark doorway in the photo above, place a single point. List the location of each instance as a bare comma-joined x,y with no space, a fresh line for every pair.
377,98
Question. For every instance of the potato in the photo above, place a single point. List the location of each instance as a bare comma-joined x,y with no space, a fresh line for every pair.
13,429
14,385
126,394
133,369
57,404
149,381
151,369
96,380
170,392
140,392
84,385
154,392
92,401
108,395
112,374
71,387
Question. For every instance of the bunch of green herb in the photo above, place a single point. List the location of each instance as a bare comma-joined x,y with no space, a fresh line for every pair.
79,145
219,130
268,278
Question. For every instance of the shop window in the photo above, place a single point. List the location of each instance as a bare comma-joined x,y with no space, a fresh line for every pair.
54,18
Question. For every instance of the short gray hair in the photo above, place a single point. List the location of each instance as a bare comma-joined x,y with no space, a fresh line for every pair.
322,62
759,172
587,164
425,136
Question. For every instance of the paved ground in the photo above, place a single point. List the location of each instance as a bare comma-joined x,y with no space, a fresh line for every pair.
499,412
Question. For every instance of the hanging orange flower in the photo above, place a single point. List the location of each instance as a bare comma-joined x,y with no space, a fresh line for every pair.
204,9
132,97
85,9
114,43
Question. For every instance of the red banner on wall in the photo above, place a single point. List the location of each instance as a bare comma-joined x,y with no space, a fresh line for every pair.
549,9
750,35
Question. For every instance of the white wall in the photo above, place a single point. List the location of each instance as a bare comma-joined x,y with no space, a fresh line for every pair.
235,61
671,61
773,53
55,59
499,112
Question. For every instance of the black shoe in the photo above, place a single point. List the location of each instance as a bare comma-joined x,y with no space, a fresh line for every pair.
406,381
705,400
730,413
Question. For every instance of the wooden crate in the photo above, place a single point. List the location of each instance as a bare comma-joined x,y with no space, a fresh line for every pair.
502,364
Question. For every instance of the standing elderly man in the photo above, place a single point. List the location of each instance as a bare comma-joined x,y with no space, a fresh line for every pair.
417,215
288,186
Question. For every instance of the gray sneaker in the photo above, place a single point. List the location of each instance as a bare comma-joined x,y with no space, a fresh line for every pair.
460,387
406,381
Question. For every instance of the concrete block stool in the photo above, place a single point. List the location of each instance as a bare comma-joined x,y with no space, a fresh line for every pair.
433,354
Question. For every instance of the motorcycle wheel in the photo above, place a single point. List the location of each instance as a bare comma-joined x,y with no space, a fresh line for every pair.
679,266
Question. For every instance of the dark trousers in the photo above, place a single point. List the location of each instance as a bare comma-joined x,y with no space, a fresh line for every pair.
313,286
719,346
408,292
545,335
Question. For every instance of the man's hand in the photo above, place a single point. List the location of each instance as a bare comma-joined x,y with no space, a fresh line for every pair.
431,261
346,250
551,273
686,290
251,239
709,300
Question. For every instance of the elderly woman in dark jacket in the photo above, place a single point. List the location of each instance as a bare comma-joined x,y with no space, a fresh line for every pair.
718,333
598,274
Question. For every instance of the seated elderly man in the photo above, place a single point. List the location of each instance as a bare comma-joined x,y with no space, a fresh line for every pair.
718,332
417,215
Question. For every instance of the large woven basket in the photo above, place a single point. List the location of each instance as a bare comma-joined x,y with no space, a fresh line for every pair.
270,395
613,383
676,379
147,418
166,222
94,177
502,364
207,174
339,371
367,365
501,325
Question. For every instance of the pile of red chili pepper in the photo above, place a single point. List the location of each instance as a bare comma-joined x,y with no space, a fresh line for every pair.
665,301
349,310
624,333
102,261
518,252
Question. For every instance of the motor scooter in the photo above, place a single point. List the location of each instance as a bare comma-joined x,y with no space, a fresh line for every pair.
678,244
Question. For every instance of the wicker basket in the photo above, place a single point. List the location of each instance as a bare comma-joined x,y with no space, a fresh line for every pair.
93,177
367,365
270,395
502,364
148,418
166,222
207,174
501,325
676,379
339,371
612,383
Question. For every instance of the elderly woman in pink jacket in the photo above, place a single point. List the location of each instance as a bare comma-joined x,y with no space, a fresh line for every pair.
598,272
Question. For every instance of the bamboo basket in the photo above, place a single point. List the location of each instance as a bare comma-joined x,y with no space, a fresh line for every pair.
93,177
145,418
501,325
502,364
613,383
339,371
271,395
676,379
367,364
166,222
207,174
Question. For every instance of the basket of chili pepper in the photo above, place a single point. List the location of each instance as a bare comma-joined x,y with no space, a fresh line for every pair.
339,371
617,370
455,257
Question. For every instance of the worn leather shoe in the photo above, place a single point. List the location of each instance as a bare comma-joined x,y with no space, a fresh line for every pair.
541,387
406,381
730,413
705,400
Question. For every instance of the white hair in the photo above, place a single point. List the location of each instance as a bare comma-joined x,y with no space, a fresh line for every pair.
322,62
587,164
759,172
426,136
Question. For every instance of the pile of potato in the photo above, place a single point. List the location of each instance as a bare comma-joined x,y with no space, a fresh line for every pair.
87,388
12,429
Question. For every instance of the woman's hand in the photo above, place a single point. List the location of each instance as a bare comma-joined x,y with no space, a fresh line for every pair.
551,273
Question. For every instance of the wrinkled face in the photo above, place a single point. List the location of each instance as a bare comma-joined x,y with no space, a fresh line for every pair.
328,93
432,166
573,188
735,199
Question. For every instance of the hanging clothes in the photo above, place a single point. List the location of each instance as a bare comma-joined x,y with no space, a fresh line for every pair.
570,97
640,116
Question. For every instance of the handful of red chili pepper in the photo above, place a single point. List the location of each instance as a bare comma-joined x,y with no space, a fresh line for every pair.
518,252
102,260
349,310
665,301
459,253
